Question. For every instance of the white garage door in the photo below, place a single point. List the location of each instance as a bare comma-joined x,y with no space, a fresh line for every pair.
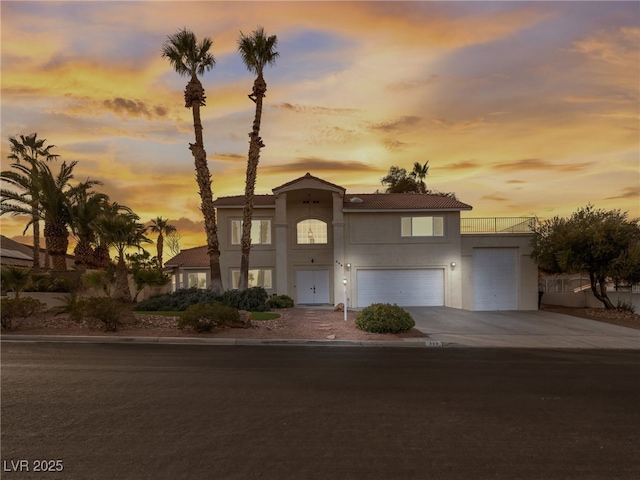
407,288
495,279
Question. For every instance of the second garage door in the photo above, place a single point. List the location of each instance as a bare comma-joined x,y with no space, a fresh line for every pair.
407,288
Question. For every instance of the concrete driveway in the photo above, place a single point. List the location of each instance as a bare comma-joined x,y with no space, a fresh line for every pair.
520,329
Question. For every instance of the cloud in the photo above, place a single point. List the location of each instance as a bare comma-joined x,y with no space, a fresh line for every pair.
538,164
617,99
399,124
515,181
457,125
134,108
314,164
313,109
228,157
390,144
334,135
464,165
632,193
494,197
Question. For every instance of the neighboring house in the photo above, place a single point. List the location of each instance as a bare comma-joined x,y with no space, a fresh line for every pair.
18,254
310,236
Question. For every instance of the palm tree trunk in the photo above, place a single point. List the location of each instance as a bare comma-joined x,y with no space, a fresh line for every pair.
36,243
57,238
122,290
160,249
203,179
255,144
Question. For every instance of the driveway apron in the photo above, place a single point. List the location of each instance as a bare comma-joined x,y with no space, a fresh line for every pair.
520,329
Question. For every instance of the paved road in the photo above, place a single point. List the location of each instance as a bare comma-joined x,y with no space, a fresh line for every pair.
520,329
115,411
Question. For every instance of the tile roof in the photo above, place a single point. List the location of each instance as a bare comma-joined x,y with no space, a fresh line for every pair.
401,201
191,257
238,200
308,176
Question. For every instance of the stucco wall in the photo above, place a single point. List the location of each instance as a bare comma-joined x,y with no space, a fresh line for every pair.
527,269
586,299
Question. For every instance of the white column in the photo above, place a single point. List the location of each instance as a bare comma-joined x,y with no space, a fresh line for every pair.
339,262
282,277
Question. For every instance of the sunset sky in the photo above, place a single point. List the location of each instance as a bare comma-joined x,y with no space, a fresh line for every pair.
521,108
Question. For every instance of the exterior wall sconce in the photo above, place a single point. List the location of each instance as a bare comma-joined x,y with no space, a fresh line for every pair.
453,265
348,266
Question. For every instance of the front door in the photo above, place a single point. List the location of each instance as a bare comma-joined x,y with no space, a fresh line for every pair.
312,286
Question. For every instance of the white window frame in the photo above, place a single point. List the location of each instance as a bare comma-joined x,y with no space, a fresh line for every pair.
235,278
303,232
427,226
255,230
201,279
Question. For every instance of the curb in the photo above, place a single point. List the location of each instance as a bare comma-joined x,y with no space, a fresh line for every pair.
219,341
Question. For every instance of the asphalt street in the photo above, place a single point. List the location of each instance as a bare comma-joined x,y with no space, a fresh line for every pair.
120,411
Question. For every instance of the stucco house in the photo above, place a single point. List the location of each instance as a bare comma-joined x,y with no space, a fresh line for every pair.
312,240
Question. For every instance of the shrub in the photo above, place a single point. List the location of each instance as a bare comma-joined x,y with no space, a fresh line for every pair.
72,305
252,299
18,308
177,301
108,310
280,301
625,306
384,318
202,317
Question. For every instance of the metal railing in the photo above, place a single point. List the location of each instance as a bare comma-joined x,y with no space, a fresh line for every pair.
497,225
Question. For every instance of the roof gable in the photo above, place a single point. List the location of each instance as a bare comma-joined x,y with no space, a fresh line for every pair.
309,181
190,257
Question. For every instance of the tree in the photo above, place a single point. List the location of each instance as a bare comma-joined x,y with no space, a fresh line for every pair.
86,207
120,228
162,228
419,173
257,51
191,58
591,241
398,181
26,152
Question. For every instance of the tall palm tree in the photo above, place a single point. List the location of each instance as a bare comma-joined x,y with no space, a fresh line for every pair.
162,228
419,173
55,201
121,229
257,51
191,58
27,151
86,207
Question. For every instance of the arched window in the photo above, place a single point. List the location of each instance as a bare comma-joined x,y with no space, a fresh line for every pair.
312,231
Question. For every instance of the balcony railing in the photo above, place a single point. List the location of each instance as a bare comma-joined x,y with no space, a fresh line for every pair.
497,225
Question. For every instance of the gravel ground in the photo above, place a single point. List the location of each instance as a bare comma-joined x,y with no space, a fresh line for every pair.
294,323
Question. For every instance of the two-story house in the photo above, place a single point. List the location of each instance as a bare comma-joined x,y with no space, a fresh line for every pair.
313,241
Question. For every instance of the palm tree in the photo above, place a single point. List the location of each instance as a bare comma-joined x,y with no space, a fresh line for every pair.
191,58
162,228
54,197
419,173
257,51
86,208
30,150
120,228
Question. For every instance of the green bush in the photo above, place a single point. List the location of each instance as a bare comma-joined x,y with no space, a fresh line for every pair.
177,301
384,318
17,310
202,317
252,299
280,301
108,310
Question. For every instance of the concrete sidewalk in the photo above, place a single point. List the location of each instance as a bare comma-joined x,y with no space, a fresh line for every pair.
520,329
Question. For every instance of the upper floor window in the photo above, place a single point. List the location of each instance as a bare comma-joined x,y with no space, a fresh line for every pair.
422,226
312,231
258,277
260,232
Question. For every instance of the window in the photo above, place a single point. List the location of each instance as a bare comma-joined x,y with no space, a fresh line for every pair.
312,231
422,226
196,279
257,278
260,232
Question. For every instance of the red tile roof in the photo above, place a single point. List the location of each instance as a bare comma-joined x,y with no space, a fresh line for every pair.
238,201
308,176
401,201
370,201
190,257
